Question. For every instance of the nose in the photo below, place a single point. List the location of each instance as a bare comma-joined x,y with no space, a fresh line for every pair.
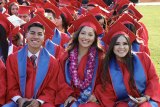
36,35
121,46
85,37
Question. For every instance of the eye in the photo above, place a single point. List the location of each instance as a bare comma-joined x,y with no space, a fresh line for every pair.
90,35
24,16
32,33
82,33
125,43
20,16
40,34
117,44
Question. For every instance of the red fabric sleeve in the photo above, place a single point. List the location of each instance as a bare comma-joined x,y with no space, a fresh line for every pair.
3,83
12,77
48,89
64,90
64,39
152,88
107,97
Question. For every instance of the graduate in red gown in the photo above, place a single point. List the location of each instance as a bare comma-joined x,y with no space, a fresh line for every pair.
81,64
58,37
125,6
31,76
143,32
138,44
6,47
53,48
127,73
3,83
53,13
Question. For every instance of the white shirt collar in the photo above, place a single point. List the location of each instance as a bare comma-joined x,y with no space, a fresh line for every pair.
37,54
30,54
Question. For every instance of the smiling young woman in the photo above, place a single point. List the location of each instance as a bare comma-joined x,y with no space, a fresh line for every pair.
127,73
81,65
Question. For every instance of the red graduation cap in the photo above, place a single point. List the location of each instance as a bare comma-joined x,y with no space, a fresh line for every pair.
49,22
76,4
15,31
106,12
52,7
53,2
48,31
67,14
72,9
120,4
96,11
63,3
9,3
25,9
88,20
38,3
127,19
134,12
35,5
100,11
119,28
81,11
39,11
6,24
97,3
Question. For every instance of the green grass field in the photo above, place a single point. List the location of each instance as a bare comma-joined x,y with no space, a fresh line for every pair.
151,18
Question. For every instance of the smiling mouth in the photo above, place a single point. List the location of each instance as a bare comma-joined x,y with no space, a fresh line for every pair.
34,41
121,52
84,41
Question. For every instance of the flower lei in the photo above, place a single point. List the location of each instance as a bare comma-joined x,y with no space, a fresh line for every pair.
73,68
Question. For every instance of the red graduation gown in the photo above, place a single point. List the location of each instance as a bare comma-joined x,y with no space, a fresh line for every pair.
64,39
108,97
143,33
59,51
48,88
65,90
15,48
2,83
144,48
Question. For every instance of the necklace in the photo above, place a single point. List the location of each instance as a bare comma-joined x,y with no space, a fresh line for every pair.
73,68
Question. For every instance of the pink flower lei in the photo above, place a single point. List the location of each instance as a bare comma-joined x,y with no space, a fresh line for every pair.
73,68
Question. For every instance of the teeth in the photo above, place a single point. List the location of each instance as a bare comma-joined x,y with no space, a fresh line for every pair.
84,41
121,51
34,41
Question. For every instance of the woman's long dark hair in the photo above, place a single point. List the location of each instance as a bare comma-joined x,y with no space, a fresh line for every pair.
131,27
105,78
74,41
99,17
65,24
27,3
10,6
3,42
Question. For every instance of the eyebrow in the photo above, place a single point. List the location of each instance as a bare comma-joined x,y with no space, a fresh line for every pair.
35,31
